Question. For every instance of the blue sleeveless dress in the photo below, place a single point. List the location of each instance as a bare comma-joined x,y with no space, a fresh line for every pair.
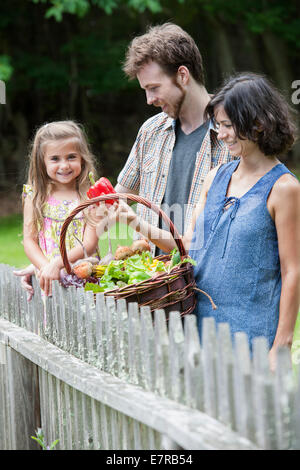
236,249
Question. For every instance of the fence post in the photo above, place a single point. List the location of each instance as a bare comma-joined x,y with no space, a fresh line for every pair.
176,357
162,373
209,341
5,431
244,403
284,399
225,377
193,366
296,418
264,395
24,403
147,347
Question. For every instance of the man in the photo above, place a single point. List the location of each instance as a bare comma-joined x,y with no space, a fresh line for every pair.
175,149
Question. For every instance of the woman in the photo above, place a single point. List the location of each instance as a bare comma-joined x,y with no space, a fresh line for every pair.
245,232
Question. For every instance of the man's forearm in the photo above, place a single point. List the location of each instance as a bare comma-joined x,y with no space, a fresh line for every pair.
123,189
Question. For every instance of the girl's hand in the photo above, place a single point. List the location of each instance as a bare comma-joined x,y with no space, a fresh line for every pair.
48,273
26,279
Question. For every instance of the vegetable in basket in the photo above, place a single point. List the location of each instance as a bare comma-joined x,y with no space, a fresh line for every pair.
100,187
135,269
137,247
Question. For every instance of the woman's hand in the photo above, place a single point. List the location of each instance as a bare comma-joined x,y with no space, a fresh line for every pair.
107,216
272,359
273,355
126,215
48,273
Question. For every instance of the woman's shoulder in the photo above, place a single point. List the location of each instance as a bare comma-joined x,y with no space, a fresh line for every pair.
287,184
287,180
285,192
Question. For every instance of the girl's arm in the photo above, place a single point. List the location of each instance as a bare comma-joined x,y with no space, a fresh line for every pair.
284,206
30,237
51,271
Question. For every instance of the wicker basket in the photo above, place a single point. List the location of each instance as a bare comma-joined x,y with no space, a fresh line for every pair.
174,291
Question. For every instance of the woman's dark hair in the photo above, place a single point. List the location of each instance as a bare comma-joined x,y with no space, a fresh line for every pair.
257,111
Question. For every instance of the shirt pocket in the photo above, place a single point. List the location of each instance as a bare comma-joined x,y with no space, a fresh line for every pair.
148,176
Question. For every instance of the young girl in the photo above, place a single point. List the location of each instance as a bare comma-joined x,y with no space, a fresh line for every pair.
245,232
60,161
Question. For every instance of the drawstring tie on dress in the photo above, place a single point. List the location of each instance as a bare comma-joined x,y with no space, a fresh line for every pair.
228,201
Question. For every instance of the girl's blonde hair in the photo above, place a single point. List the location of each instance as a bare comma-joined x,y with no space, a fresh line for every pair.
37,174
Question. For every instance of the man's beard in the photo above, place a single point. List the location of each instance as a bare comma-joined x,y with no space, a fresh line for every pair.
176,107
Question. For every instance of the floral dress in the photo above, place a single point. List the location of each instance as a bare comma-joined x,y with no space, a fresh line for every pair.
55,212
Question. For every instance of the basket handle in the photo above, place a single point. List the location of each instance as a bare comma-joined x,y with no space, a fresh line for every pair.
116,197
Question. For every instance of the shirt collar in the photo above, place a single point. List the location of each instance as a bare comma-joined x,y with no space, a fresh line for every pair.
171,123
211,126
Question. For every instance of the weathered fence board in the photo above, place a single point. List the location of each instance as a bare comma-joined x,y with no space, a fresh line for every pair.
23,402
117,377
189,428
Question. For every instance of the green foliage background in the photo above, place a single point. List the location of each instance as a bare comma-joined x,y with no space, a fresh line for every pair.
63,59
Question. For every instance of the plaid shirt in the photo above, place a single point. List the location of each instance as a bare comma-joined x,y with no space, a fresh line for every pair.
147,167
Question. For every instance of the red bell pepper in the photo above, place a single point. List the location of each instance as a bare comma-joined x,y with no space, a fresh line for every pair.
100,187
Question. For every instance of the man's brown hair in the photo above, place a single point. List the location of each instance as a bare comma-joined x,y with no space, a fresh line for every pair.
169,46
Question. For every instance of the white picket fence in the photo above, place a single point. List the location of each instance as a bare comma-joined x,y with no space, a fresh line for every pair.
101,375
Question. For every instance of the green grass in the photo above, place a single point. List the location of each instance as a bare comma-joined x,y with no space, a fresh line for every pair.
11,245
